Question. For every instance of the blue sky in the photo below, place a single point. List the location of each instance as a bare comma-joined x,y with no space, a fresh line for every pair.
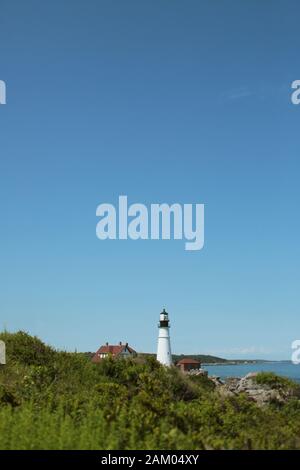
168,101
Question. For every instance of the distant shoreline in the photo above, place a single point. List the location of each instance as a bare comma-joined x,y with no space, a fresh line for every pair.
242,362
208,360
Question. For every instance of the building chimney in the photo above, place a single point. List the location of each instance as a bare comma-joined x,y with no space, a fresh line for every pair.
120,343
106,344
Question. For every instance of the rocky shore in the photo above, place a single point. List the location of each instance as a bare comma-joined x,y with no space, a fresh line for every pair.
261,393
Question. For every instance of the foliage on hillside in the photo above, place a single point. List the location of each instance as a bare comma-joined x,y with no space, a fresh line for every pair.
276,382
203,358
59,400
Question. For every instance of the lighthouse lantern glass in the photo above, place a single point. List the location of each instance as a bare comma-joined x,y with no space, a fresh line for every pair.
163,316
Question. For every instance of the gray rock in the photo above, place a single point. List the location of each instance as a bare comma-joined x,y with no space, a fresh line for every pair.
261,394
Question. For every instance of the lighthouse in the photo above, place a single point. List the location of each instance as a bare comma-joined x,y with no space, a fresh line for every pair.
164,355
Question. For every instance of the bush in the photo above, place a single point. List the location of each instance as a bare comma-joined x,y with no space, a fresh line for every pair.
275,381
59,400
26,349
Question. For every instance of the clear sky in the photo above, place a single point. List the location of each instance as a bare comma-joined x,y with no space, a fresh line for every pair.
164,101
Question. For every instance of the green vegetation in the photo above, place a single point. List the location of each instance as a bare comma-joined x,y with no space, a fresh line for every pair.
203,358
276,382
59,400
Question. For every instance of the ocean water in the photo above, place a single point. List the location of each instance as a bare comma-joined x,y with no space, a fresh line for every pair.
286,369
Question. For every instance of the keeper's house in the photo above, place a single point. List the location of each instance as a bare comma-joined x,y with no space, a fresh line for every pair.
121,350
187,364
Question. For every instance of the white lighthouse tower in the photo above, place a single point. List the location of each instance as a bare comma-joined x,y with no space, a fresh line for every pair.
164,355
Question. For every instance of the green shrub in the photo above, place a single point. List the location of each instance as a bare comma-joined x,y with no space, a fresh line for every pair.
26,349
275,381
60,400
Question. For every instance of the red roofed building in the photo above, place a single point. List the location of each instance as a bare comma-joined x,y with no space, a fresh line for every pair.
188,364
119,350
